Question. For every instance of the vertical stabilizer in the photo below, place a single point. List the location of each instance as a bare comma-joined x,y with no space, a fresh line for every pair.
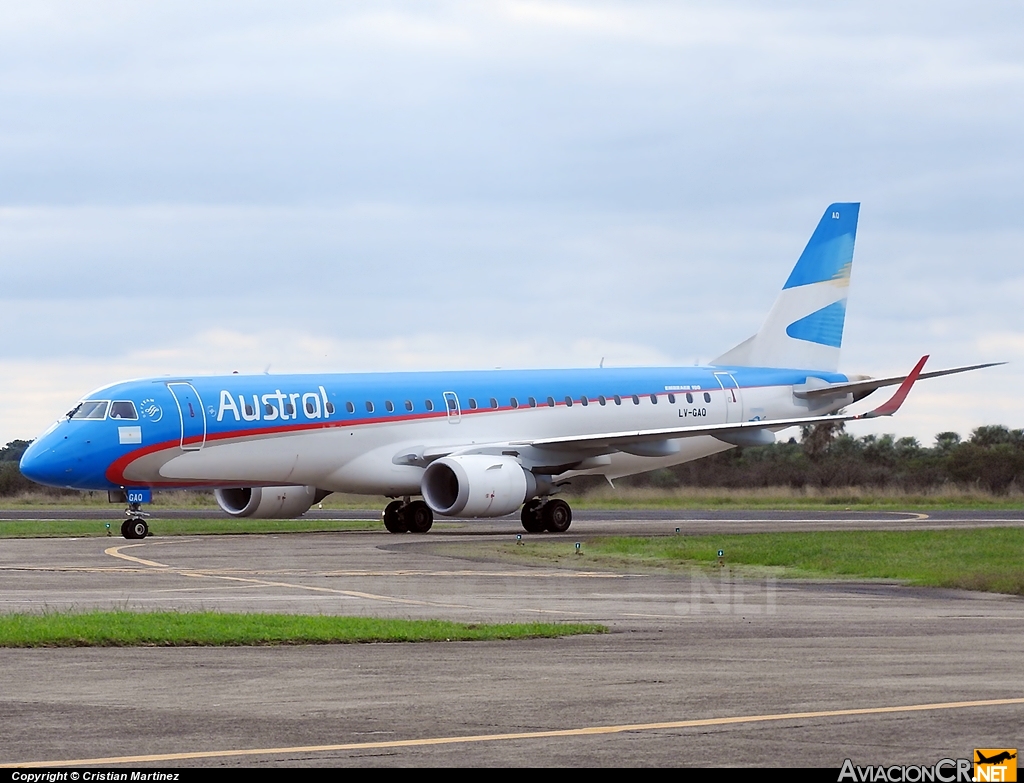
804,329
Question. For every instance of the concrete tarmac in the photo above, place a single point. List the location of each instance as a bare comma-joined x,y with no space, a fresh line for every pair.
608,521
696,671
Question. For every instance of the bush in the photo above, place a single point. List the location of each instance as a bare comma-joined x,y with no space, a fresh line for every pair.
12,482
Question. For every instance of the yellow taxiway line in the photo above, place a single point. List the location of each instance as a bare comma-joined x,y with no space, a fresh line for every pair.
522,735
115,551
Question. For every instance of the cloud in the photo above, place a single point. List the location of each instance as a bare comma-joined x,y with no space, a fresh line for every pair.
194,187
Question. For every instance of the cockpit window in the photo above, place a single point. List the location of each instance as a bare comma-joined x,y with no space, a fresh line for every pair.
123,409
90,409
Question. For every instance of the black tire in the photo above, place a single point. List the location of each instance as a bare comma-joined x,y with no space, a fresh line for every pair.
531,516
557,516
418,517
394,521
126,529
139,528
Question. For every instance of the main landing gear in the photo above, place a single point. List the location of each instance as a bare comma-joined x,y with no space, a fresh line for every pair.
135,526
553,515
401,516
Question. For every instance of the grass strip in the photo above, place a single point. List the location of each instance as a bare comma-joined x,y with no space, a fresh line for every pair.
85,528
202,629
986,559
784,500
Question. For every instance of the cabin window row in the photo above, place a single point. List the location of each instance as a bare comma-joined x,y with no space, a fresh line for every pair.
515,402
289,409
124,409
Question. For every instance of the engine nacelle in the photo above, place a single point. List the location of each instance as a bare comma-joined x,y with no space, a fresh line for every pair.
268,502
476,485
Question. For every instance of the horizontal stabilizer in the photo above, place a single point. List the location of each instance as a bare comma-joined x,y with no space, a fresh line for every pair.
861,389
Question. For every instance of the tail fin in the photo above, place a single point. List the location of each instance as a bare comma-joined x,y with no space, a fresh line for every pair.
804,329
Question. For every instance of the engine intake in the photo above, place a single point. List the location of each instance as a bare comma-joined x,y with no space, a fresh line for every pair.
476,485
268,502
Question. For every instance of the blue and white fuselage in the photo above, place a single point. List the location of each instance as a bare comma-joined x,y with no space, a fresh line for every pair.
479,443
355,433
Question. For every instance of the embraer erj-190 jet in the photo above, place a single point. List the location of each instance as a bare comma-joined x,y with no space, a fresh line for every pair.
470,444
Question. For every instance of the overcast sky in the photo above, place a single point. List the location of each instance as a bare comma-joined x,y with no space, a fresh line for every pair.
208,187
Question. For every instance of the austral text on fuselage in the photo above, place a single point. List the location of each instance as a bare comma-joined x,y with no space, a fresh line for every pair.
275,405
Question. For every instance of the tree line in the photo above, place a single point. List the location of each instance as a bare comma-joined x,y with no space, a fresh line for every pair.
11,480
992,458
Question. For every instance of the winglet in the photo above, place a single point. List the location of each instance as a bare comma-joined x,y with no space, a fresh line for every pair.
893,404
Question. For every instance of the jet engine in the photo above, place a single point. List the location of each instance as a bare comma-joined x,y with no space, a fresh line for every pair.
476,485
268,502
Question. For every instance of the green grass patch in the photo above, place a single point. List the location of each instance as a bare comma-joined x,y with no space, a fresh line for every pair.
193,629
84,528
798,499
783,498
195,500
988,559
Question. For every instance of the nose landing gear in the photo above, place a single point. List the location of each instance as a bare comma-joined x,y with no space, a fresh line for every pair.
134,527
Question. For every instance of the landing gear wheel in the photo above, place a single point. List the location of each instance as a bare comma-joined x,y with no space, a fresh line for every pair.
557,516
418,517
532,521
134,529
394,521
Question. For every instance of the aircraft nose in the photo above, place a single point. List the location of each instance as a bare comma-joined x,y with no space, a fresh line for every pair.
34,464
40,463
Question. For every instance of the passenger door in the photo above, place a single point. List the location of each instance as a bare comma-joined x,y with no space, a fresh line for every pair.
451,403
193,417
733,397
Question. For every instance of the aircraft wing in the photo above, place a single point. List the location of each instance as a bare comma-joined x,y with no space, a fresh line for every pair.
862,388
617,440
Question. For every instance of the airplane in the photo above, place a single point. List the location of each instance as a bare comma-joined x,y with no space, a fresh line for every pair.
470,443
996,759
